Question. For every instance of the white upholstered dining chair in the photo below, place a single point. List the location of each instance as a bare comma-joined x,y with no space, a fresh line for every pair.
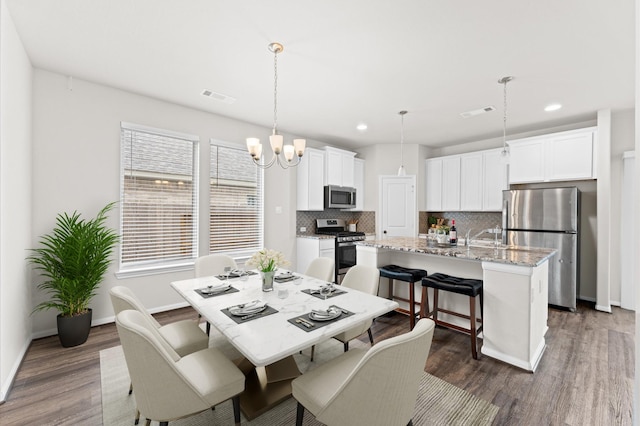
169,386
365,279
184,336
322,268
213,264
374,387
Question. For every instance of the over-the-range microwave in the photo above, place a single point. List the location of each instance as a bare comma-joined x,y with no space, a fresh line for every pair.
339,197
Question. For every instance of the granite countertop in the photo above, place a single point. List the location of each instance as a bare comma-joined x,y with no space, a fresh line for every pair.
316,236
515,255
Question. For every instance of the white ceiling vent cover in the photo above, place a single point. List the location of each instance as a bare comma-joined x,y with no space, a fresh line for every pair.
218,96
478,111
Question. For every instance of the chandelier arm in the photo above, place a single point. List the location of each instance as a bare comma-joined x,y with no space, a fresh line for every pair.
265,165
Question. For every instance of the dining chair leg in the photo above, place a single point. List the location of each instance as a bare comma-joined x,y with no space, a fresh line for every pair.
137,419
370,336
236,409
147,422
313,351
410,423
346,346
130,388
299,414
208,328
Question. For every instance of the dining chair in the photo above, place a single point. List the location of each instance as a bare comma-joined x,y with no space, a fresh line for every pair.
322,268
170,386
184,336
213,264
365,279
378,386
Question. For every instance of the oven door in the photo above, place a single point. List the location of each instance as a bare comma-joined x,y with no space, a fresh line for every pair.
345,258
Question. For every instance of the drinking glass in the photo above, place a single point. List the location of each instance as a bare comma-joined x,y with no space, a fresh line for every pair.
325,290
283,293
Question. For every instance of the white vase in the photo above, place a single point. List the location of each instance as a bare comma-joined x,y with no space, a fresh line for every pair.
267,280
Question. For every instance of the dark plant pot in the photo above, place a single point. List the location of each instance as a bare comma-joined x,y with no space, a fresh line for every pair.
74,331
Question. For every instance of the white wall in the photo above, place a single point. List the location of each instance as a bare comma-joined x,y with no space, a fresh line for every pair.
76,142
15,200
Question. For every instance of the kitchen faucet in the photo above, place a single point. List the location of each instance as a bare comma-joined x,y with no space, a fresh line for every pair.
495,231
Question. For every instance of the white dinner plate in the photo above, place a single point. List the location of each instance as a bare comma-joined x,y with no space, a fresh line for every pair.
328,315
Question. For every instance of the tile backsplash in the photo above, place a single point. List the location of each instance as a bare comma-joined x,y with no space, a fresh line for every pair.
306,219
476,221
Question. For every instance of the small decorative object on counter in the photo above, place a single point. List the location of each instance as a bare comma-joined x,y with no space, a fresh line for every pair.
267,261
453,233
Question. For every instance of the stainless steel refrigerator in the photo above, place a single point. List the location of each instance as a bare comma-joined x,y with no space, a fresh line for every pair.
547,218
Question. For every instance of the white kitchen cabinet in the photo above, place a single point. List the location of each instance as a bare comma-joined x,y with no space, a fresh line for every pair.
309,249
560,156
451,183
339,167
433,175
494,179
466,182
358,184
310,182
471,182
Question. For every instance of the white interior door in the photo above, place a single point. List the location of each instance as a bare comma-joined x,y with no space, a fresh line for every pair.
397,207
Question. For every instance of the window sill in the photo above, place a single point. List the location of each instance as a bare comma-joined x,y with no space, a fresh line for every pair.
154,270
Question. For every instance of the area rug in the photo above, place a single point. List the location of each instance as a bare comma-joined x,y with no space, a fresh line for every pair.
439,403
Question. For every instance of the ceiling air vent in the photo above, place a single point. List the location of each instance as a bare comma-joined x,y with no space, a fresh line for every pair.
218,96
478,111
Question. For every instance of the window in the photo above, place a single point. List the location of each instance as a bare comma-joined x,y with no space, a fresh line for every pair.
159,207
235,206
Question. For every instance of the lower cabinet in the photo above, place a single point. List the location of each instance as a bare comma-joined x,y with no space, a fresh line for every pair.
312,248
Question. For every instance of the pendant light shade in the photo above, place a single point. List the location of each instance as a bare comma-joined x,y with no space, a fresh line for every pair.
401,169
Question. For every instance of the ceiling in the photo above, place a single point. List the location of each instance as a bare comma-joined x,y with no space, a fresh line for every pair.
347,62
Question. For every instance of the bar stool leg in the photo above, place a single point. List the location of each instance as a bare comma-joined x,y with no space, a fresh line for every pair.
435,305
473,333
424,303
412,306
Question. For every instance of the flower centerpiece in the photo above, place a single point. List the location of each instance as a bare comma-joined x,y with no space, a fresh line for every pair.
267,261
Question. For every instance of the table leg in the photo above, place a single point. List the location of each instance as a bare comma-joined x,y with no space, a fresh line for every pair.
266,387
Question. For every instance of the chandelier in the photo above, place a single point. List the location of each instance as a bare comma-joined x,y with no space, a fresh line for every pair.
504,155
401,170
288,151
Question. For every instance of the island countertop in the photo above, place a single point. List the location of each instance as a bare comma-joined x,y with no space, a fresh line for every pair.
513,255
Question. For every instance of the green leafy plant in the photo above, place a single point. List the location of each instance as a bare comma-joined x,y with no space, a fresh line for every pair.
74,258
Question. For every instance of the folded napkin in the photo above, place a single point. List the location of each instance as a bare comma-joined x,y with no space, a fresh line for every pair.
248,308
219,288
331,312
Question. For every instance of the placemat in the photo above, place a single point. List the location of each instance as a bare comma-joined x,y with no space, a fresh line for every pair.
208,295
336,292
232,275
287,279
299,320
246,318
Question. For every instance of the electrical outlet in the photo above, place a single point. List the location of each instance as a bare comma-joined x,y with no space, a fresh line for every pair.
303,229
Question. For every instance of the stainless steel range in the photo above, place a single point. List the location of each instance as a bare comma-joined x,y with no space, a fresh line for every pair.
345,244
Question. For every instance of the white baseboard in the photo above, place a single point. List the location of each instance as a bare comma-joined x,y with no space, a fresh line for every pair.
6,387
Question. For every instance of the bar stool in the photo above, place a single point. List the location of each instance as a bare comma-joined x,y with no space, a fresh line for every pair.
408,275
468,287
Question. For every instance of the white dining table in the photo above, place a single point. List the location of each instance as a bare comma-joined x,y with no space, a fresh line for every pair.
269,342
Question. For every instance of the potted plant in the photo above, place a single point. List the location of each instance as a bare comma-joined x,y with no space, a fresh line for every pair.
74,258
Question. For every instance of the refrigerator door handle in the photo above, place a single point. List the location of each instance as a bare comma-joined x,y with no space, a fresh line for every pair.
505,211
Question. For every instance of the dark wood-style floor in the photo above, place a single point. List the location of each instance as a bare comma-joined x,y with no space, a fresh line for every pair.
585,376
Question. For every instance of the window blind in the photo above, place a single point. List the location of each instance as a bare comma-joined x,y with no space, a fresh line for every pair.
236,195
159,207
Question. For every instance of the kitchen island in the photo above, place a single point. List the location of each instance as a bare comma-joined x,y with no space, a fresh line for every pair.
515,287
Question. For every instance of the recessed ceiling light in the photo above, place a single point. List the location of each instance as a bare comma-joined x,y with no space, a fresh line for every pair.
552,107
478,111
362,127
218,96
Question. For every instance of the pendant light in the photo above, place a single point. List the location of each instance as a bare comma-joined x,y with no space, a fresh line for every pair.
276,140
401,170
504,155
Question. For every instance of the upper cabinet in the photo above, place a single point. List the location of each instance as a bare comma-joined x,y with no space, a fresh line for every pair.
555,157
310,185
466,182
339,167
358,184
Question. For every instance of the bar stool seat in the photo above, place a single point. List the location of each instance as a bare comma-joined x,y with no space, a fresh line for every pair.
408,275
466,286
